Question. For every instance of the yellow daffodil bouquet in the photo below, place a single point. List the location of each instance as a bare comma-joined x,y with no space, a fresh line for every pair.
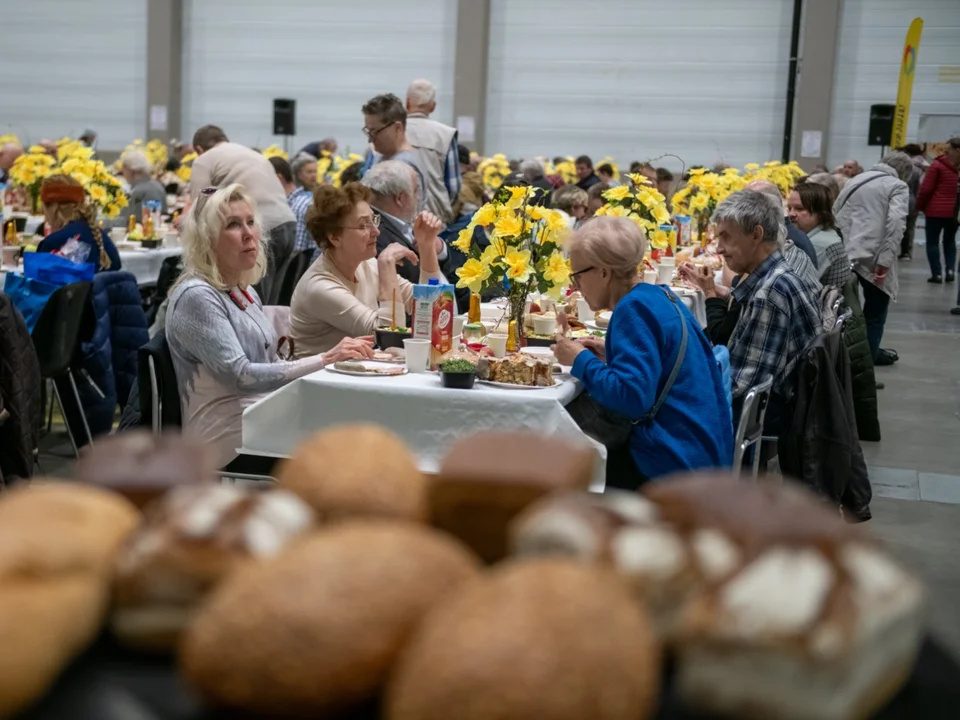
566,170
524,251
783,176
275,151
338,164
30,170
103,187
186,167
643,204
494,170
703,192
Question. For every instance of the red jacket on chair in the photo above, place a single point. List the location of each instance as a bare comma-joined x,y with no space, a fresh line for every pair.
938,192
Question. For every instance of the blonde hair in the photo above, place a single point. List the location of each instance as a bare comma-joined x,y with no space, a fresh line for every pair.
614,243
201,230
67,212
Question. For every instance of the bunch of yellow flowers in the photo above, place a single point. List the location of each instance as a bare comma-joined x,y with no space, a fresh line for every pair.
275,151
186,164
101,185
30,170
494,170
643,204
337,166
9,138
607,161
524,251
783,176
566,170
705,190
155,151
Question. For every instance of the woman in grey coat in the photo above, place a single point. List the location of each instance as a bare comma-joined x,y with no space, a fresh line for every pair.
871,215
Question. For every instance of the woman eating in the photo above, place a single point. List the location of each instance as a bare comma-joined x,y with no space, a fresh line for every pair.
349,291
224,347
656,398
70,217
810,208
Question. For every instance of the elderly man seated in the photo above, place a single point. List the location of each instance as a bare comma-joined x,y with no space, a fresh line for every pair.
781,311
802,258
138,172
395,196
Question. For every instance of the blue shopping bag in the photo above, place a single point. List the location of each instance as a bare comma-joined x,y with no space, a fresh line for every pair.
28,296
55,270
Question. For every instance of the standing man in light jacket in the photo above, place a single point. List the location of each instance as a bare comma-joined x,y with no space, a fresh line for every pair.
871,214
437,145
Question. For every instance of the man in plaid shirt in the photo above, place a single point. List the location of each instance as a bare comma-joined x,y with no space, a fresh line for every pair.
781,310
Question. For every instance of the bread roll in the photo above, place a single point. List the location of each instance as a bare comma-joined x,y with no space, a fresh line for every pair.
355,471
813,621
189,540
544,639
57,543
488,478
142,466
314,632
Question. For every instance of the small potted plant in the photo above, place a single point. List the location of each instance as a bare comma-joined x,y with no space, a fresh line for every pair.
458,373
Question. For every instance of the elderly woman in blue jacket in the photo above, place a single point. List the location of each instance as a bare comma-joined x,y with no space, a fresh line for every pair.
654,379
71,217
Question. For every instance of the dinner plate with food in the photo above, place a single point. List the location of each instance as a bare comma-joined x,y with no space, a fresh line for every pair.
521,371
367,368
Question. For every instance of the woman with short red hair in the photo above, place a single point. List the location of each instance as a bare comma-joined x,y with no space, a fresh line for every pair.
70,217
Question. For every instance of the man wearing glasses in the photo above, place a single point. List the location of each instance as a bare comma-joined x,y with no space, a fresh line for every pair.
384,124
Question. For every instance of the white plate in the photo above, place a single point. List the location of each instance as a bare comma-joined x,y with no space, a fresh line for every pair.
592,325
511,386
375,368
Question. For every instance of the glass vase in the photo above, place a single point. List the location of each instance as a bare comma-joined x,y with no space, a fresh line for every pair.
515,313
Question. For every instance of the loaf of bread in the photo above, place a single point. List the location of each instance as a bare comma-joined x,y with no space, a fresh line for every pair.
353,471
188,542
57,546
142,466
542,639
314,632
813,621
488,478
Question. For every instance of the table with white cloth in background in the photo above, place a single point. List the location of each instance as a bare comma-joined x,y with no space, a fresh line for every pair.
429,417
145,264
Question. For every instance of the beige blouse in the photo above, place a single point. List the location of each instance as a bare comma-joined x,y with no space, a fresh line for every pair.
327,307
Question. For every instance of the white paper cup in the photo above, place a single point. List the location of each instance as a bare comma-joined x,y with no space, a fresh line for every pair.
651,277
417,352
544,325
668,260
458,322
584,313
666,273
118,234
498,343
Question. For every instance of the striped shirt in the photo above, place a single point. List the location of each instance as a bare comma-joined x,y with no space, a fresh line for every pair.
299,200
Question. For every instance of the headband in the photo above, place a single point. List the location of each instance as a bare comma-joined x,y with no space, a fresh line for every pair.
55,193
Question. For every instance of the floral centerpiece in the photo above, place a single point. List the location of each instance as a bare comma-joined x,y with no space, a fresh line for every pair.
186,167
524,251
494,170
275,151
704,191
783,176
643,204
101,185
566,169
30,170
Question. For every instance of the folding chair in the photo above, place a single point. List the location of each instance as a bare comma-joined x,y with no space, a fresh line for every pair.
750,428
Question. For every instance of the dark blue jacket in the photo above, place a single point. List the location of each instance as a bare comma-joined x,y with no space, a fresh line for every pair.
80,229
110,356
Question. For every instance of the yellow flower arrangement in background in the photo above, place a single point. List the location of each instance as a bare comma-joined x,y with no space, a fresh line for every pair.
155,151
641,203
9,138
494,170
104,189
337,165
30,170
524,251
783,176
275,151
608,161
705,190
567,170
186,167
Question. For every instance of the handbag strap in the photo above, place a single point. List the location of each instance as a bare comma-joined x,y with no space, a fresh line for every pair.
672,378
857,187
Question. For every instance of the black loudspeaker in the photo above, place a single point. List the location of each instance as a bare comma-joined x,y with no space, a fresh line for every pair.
284,117
881,124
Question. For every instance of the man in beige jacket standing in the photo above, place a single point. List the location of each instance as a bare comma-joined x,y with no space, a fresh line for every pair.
437,145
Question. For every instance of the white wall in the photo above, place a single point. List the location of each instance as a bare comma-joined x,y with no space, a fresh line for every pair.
67,66
870,50
700,78
330,57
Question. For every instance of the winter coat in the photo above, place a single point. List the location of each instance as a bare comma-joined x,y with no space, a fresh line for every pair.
864,381
871,214
938,192
819,445
21,410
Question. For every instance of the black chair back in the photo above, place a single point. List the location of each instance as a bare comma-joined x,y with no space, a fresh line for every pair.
159,397
170,270
61,327
295,270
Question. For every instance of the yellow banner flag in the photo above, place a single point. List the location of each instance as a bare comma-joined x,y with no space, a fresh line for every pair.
911,49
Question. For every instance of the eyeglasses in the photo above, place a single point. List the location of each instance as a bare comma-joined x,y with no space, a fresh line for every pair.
372,134
365,227
208,191
573,276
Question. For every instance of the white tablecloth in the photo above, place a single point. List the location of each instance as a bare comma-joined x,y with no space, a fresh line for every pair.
415,406
145,264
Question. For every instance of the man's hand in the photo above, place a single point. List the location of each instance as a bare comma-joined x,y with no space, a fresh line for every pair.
699,277
879,275
426,227
395,253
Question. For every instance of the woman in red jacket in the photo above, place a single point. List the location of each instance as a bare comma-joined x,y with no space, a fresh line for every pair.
937,200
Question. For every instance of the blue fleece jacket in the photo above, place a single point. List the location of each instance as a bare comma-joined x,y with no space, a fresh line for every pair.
693,428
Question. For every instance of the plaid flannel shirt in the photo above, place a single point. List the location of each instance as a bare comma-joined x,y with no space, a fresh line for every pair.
299,200
780,318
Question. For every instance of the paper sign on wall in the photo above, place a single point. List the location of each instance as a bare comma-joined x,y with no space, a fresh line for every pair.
158,117
810,143
467,128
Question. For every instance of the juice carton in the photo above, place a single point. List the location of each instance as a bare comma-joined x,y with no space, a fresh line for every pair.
434,306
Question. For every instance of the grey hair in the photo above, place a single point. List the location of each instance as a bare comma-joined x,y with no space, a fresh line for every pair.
389,178
532,169
296,165
749,209
900,162
421,92
136,161
772,193
828,180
